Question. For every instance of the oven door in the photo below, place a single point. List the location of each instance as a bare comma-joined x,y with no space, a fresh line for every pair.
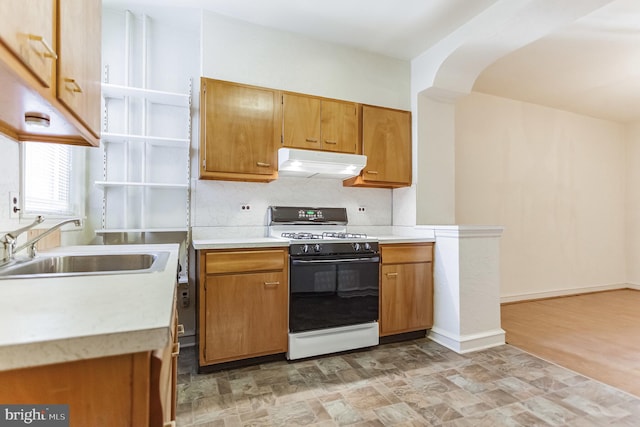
330,291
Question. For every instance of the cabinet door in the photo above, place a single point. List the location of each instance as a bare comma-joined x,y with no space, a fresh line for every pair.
238,131
246,316
301,121
406,298
339,128
79,59
28,31
163,380
386,141
101,392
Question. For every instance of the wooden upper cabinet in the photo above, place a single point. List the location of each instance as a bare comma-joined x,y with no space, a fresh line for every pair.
79,59
386,141
239,131
301,121
319,124
339,126
50,59
28,33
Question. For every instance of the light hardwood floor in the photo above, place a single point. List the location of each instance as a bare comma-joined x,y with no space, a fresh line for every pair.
597,334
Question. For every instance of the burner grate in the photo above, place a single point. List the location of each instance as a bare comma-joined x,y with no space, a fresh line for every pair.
300,236
325,235
343,235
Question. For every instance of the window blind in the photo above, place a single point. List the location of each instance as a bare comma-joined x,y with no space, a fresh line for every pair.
47,177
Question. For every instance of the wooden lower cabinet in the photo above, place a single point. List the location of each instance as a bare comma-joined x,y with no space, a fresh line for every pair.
164,384
129,390
406,288
243,307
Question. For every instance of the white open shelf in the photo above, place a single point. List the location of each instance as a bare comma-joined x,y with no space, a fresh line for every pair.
153,140
139,184
155,96
142,230
136,161
146,148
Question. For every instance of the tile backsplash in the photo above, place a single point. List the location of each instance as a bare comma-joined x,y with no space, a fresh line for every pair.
220,203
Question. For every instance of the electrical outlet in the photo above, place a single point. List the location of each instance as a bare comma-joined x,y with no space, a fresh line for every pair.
14,204
245,207
185,300
362,209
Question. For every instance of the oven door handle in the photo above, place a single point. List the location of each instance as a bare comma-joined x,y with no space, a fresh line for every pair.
373,259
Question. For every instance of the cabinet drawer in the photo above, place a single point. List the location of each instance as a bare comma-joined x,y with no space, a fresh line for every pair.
245,261
407,253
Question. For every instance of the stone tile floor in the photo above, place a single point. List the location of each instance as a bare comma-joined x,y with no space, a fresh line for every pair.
415,383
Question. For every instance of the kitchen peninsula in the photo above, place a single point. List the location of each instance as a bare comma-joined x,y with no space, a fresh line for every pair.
76,339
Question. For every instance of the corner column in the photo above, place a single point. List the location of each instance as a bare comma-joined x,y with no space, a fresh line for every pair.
467,287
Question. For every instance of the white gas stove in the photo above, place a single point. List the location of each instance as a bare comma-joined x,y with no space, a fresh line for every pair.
333,281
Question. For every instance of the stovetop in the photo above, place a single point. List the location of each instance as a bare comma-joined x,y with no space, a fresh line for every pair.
318,231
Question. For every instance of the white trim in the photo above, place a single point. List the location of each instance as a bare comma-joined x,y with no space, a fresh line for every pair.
565,292
468,343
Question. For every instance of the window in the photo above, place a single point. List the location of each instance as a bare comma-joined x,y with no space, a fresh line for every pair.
48,180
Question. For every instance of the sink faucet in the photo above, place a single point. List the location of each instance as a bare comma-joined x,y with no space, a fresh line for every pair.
31,244
10,239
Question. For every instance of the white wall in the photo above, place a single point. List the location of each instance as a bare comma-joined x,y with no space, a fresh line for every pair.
633,204
556,182
245,53
9,181
250,54
435,196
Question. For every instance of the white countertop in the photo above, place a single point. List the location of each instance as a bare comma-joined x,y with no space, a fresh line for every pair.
392,238
238,242
263,242
51,320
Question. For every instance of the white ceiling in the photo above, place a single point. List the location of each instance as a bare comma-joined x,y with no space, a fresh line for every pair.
591,66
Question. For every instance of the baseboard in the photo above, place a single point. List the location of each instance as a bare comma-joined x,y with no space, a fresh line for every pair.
565,292
467,343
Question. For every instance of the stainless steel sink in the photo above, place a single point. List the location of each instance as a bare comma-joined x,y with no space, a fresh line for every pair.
83,265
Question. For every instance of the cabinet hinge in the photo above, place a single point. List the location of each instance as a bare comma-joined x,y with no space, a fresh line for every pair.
204,164
281,99
281,139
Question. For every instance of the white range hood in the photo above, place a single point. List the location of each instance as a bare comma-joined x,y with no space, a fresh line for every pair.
319,164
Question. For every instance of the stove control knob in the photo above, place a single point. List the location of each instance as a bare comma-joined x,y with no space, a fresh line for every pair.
317,247
305,248
356,247
367,246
